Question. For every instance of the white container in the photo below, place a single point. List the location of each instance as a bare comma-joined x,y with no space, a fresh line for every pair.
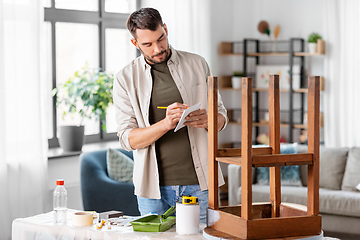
60,202
187,218
312,47
236,82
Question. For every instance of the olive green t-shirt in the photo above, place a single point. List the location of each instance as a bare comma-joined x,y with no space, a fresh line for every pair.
173,150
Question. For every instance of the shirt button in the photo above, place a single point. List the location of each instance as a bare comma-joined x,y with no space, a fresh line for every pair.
156,174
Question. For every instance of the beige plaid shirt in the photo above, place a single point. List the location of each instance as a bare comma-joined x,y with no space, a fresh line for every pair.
132,92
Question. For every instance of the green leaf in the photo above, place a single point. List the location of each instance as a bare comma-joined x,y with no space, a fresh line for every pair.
54,91
267,31
313,37
87,93
103,126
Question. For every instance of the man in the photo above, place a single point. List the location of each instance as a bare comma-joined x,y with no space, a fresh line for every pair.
167,164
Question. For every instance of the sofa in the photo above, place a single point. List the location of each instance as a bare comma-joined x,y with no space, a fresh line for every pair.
339,199
101,193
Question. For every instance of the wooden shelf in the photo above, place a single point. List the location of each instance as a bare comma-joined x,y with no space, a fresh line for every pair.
270,54
231,54
308,54
282,54
227,49
273,54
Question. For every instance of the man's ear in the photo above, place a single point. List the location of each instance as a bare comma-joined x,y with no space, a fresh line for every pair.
133,41
165,28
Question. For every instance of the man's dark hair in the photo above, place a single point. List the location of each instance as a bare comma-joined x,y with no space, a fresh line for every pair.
144,18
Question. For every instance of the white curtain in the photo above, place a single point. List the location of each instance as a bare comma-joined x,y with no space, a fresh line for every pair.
188,24
342,94
23,143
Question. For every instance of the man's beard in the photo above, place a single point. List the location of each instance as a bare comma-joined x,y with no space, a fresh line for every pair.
151,59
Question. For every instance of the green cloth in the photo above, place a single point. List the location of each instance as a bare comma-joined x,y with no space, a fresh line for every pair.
173,150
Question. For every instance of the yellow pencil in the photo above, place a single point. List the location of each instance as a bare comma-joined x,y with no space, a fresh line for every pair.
162,107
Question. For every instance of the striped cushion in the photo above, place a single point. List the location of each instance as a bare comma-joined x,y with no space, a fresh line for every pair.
119,166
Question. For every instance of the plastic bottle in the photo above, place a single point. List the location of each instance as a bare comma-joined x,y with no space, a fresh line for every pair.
60,202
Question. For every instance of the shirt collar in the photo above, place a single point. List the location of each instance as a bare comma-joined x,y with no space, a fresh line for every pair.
174,56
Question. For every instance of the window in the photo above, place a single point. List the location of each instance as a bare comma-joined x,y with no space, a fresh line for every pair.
79,32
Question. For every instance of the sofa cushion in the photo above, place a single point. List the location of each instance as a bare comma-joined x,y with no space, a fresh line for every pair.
335,202
332,167
352,170
290,175
119,166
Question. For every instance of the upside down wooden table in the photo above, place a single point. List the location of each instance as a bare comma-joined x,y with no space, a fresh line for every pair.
273,219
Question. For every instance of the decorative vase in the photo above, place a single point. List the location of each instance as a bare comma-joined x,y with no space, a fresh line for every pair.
236,82
71,138
312,47
320,46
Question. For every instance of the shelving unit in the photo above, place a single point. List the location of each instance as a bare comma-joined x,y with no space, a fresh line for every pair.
255,49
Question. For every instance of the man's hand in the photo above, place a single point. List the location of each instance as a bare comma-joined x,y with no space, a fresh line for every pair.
198,118
173,115
143,137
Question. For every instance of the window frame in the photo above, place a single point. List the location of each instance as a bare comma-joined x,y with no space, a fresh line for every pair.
103,20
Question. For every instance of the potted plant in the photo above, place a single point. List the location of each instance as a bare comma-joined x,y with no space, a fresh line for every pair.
87,94
312,41
236,79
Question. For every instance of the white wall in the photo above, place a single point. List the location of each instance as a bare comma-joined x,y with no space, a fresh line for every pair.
234,20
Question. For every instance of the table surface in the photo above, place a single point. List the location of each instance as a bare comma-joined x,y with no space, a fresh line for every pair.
42,227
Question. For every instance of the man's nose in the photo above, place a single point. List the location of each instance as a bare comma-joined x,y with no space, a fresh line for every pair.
157,48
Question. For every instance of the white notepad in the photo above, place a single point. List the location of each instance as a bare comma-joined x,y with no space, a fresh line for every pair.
184,115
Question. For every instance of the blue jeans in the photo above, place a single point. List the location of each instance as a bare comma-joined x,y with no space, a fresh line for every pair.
170,195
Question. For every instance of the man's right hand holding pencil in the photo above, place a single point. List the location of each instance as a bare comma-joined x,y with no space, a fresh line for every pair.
173,114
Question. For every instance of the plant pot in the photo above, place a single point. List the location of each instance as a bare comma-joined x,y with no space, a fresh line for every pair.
71,138
236,82
312,47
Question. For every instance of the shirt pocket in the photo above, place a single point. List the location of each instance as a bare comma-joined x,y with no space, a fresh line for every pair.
199,94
